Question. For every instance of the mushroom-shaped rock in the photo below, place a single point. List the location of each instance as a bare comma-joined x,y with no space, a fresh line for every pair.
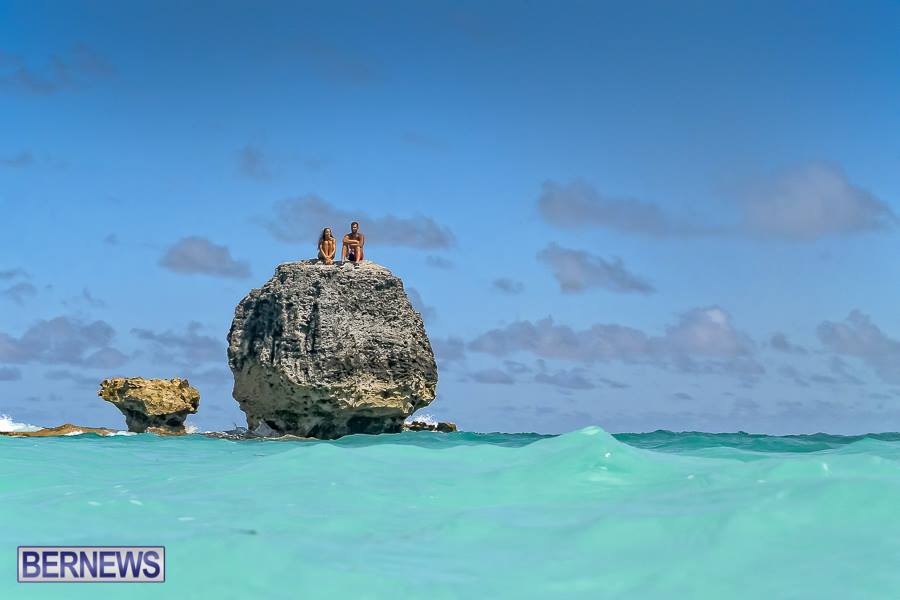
161,404
328,350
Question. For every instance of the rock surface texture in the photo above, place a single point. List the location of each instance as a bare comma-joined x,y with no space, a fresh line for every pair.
61,430
440,426
160,405
328,350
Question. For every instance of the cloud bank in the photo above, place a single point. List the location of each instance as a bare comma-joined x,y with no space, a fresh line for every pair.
300,220
703,340
63,340
803,202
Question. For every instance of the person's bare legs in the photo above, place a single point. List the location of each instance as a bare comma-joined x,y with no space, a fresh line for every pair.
350,251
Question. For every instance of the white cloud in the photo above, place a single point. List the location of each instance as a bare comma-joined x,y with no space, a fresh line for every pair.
780,342
187,349
492,376
577,271
252,163
19,292
508,286
17,161
197,255
858,336
78,67
579,205
415,298
812,201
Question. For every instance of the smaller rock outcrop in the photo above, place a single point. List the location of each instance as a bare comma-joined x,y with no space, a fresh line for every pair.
442,426
62,430
160,405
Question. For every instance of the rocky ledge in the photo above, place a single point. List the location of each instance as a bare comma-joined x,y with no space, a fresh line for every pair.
61,430
329,350
153,405
439,426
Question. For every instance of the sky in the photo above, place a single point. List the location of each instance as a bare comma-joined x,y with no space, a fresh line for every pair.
636,215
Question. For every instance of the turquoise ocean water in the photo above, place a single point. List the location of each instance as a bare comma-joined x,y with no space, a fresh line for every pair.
424,515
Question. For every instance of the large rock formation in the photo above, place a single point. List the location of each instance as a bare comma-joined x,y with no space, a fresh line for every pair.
329,350
157,405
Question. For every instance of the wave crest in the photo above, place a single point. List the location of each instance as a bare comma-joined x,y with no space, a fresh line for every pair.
7,425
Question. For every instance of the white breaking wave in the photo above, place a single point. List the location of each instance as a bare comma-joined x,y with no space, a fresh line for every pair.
7,425
190,428
427,419
110,434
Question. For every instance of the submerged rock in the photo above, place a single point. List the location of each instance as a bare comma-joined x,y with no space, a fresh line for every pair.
328,350
441,426
156,405
242,433
67,429
166,431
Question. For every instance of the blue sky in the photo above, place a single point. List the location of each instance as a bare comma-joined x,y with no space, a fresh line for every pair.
635,215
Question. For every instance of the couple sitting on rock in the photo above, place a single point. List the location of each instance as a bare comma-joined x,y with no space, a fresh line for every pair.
351,246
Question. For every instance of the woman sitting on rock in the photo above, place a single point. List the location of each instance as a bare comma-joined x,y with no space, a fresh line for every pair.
327,246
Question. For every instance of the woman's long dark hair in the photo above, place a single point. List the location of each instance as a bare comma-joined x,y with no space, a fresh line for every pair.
322,237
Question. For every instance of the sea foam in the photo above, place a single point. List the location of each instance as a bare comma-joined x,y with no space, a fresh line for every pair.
7,425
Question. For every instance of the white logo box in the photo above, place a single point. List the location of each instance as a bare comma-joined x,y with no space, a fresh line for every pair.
85,564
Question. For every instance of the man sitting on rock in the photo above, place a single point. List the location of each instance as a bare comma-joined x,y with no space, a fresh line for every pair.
353,243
